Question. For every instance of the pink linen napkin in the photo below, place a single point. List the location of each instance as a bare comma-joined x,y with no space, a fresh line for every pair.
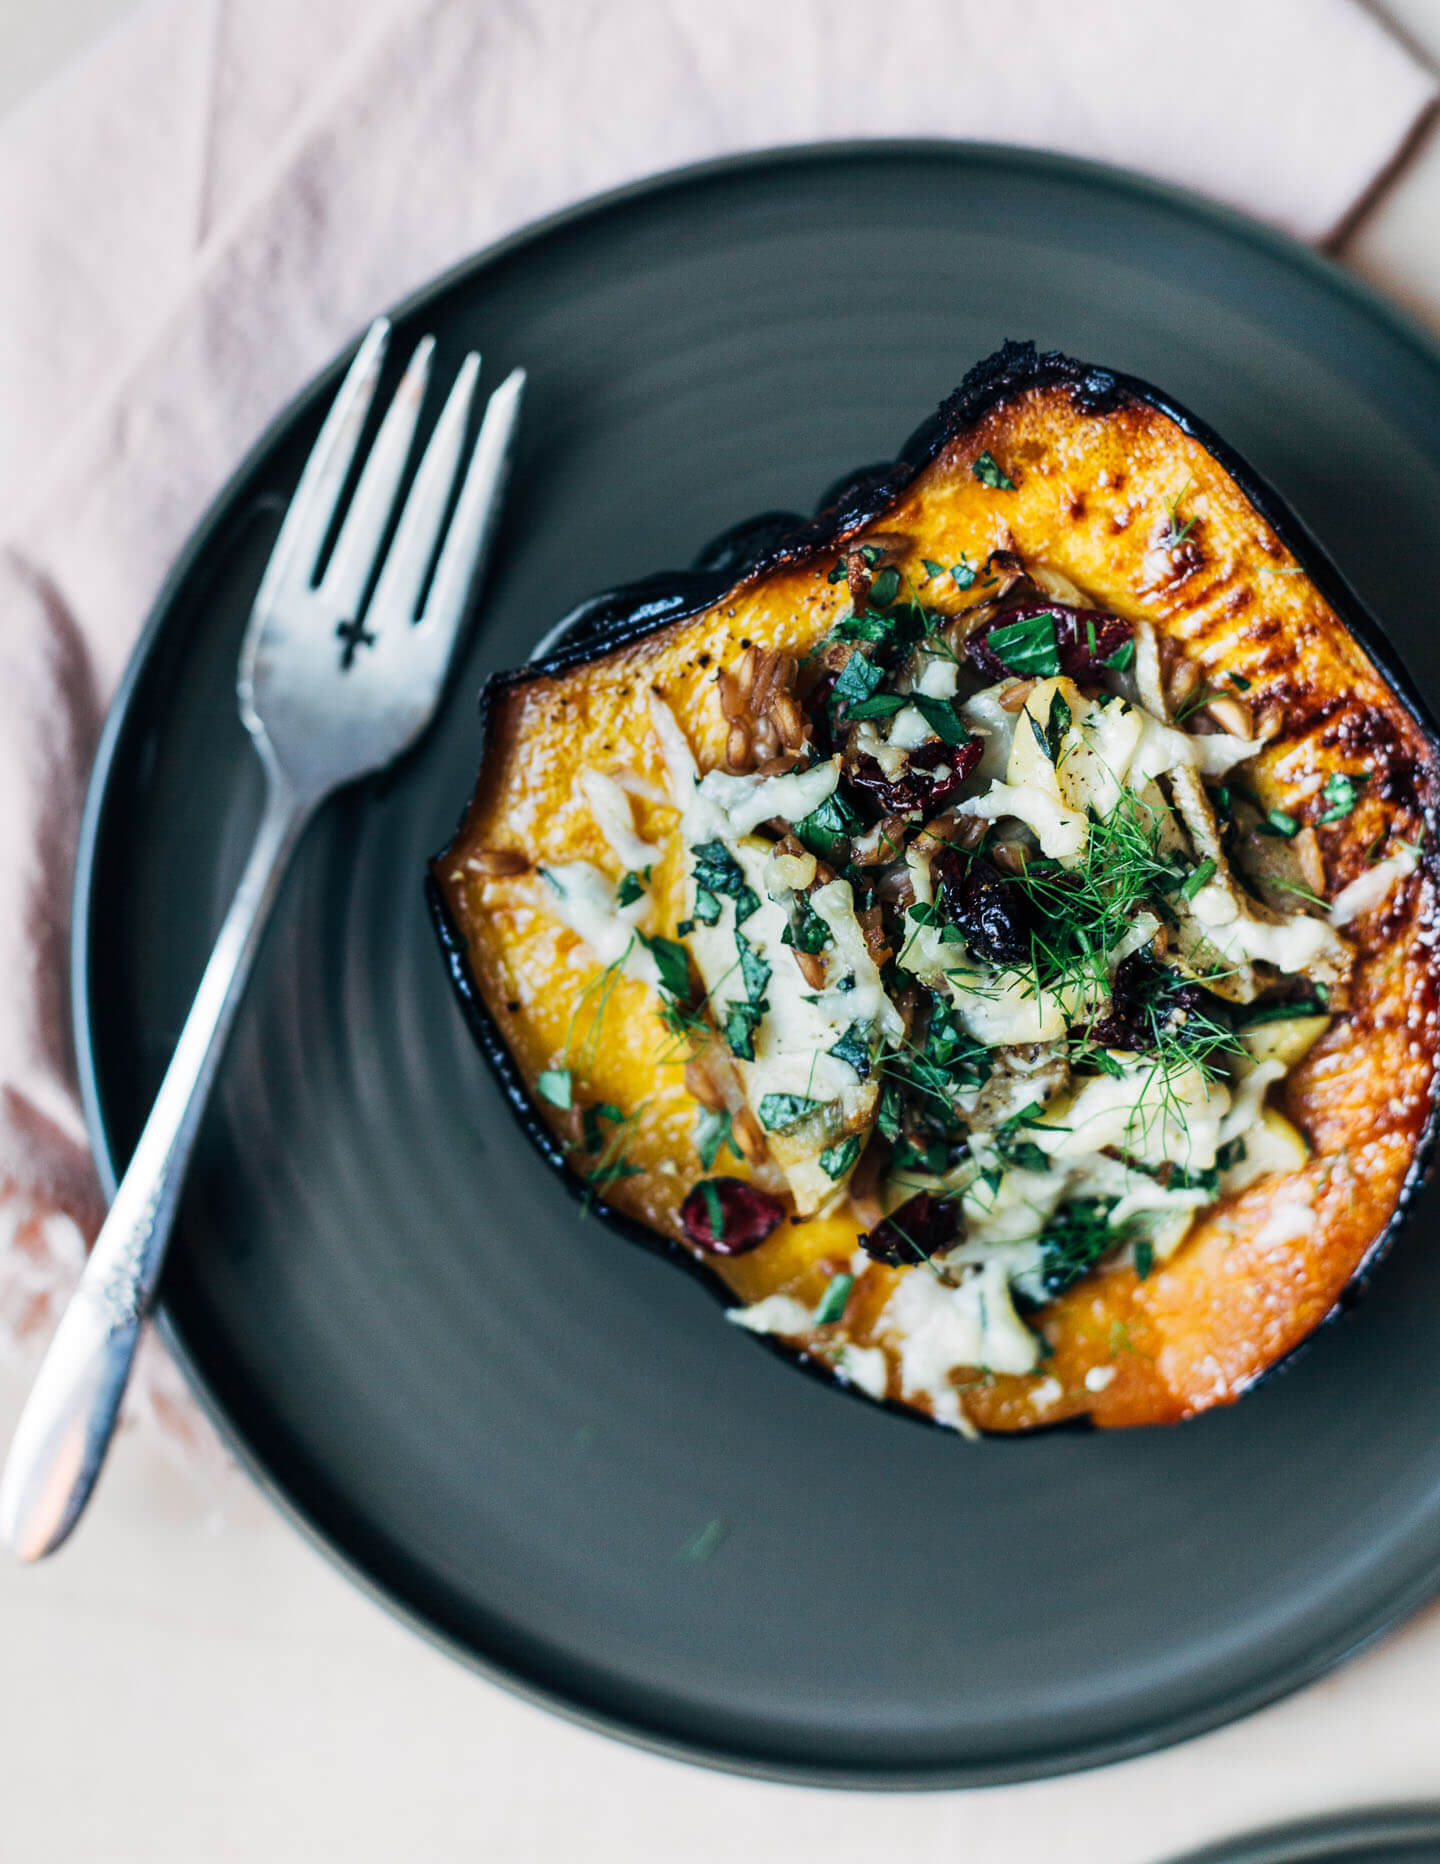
197,216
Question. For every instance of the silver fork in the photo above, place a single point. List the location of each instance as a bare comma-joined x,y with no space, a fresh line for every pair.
327,698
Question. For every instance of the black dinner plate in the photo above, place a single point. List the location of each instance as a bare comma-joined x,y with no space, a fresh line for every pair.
1389,1835
537,1443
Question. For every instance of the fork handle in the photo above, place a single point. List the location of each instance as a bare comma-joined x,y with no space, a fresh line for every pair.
69,1417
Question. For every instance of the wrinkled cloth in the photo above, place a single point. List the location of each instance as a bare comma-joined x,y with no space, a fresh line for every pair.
197,216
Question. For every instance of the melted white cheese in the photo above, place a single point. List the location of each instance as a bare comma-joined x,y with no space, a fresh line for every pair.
1372,888
1154,1114
610,806
777,1313
940,1330
1061,832
746,802
1287,1223
985,718
865,1367
1162,748
583,898
866,1001
1292,944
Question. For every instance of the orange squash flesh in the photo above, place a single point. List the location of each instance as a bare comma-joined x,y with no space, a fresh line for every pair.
1093,499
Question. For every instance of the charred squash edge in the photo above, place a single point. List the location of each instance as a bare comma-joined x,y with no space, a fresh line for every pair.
781,539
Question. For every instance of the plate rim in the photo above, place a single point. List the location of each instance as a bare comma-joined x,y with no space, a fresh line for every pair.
574,1706
1314,1840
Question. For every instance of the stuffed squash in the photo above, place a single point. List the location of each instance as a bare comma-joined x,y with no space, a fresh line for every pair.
988,926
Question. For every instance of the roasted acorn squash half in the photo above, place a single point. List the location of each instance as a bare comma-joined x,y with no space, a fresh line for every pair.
987,928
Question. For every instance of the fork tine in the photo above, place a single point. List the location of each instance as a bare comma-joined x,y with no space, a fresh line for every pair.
306,522
353,557
406,561
467,542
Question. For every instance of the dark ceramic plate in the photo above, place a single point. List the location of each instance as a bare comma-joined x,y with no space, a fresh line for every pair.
542,1446
1392,1835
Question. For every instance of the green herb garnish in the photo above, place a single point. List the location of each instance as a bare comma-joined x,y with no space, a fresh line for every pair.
880,705
672,963
859,677
1027,647
716,872
713,1132
779,1111
832,1307
836,1160
1340,796
1198,878
556,1086
826,830
987,470
631,887
1280,822
853,1049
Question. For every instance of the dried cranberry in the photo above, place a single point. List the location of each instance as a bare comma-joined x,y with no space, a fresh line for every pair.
989,907
816,707
1075,629
1148,998
727,1217
916,1231
917,789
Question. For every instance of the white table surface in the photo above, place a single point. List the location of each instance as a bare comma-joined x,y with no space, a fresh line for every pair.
190,1682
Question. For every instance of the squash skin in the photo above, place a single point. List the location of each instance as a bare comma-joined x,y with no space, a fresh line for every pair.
1096,457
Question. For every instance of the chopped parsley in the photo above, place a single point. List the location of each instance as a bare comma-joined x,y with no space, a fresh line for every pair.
826,831
631,888
879,705
987,470
779,1111
672,963
805,930
885,587
859,677
1340,796
1027,647
836,1160
557,1086
853,1049
1199,877
718,872
837,1295
713,1132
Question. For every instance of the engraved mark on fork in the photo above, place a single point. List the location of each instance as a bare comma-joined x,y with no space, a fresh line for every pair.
355,635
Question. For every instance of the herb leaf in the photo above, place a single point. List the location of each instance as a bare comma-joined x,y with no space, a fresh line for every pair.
853,1049
1340,796
717,871
987,470
556,1086
672,963
932,569
1027,647
1198,878
738,1027
1123,658
885,587
836,1160
1280,822
779,1111
712,1133
630,889
826,830
881,705
753,970
832,1308
805,931
942,719
859,677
